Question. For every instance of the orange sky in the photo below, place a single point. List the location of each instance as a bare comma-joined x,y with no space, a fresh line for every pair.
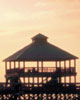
22,19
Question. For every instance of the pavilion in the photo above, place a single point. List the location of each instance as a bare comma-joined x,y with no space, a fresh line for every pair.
40,51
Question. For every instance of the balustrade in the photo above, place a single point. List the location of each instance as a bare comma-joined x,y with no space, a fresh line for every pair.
41,70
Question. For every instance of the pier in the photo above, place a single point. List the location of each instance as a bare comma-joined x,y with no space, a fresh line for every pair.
40,82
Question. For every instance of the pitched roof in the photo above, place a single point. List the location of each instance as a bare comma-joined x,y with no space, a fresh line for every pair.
40,51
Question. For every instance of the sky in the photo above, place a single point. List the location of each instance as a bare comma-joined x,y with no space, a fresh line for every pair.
20,20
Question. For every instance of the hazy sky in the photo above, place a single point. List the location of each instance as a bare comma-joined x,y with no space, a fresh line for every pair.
22,19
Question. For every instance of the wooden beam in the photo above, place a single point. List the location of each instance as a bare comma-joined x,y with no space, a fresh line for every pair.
19,64
56,64
14,64
10,64
38,66
42,65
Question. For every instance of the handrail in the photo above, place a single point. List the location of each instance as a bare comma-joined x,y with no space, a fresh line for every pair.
44,69
76,85
40,70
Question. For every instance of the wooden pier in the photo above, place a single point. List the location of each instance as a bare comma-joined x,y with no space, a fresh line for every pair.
39,82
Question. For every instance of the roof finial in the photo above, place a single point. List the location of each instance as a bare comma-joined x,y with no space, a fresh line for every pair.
39,37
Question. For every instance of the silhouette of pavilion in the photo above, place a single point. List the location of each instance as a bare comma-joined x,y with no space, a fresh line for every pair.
51,82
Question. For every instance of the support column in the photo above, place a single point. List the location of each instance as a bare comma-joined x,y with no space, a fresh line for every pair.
38,71
19,64
6,70
56,70
75,70
60,75
60,71
42,70
33,82
56,65
14,64
42,66
10,65
65,72
70,71
5,67
28,81
24,70
24,76
38,66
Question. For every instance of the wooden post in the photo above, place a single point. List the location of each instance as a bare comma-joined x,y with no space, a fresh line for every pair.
24,70
70,71
33,81
37,66
65,72
6,70
60,75
42,70
75,70
19,64
56,65
60,71
28,81
5,67
42,65
24,76
10,65
38,71
56,69
14,65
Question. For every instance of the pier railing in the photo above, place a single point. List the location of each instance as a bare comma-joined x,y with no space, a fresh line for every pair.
29,85
41,70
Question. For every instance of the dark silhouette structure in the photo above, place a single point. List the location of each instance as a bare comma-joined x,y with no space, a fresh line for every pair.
40,82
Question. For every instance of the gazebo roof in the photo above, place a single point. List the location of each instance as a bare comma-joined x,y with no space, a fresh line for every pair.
40,50
39,36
